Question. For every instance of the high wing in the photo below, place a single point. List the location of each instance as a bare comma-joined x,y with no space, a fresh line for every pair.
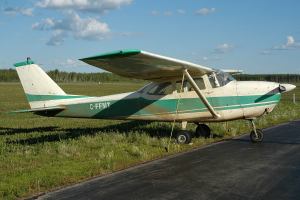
144,65
233,71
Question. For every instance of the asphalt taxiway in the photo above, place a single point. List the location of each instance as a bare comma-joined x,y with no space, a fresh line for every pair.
233,169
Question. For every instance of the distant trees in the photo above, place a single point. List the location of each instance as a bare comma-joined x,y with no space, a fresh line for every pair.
280,78
10,75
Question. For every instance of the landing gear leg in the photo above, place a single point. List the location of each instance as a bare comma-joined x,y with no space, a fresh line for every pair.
256,135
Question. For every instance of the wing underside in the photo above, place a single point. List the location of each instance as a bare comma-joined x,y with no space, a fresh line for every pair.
144,65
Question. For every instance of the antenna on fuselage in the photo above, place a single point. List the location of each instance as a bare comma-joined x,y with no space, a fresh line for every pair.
28,59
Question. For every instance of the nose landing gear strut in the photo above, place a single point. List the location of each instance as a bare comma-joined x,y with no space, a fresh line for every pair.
256,135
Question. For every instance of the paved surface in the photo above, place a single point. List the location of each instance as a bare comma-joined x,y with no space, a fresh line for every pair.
234,169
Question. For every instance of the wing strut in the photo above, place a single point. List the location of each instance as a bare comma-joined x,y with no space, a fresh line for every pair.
201,96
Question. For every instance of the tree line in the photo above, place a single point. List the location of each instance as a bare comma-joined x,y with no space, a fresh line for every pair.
10,75
279,78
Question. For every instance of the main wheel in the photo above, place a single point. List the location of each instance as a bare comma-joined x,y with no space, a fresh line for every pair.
183,137
258,138
202,130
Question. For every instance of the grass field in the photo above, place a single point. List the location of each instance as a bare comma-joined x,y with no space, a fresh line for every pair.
38,154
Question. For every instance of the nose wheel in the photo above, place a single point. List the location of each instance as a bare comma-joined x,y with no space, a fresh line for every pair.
256,135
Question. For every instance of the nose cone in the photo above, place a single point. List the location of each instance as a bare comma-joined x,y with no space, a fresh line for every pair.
286,87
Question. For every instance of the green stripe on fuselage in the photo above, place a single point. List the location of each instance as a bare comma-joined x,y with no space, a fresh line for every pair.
36,97
141,106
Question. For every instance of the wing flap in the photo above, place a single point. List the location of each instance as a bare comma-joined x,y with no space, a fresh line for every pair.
144,65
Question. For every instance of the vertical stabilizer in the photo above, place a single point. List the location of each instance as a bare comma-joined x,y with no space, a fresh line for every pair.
38,86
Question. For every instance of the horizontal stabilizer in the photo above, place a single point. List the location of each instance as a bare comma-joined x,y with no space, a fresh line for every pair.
48,111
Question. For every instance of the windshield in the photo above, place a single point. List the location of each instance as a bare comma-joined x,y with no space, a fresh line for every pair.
220,78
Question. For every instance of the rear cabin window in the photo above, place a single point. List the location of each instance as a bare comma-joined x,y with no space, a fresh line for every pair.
166,88
161,89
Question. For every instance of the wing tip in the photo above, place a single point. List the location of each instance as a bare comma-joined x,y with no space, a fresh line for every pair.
113,54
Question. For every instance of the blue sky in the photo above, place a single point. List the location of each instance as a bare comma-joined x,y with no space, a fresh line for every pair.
255,36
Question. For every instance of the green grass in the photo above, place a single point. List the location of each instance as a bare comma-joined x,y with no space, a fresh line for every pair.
38,154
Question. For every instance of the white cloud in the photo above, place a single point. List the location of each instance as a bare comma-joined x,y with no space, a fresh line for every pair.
266,52
206,58
181,11
154,13
168,13
84,5
45,24
73,25
69,64
290,44
72,63
223,48
290,41
57,38
20,11
205,11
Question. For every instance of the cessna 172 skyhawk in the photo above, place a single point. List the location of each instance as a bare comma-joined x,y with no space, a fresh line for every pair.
180,91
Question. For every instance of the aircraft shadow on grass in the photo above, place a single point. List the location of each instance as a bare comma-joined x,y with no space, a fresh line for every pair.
73,133
13,131
161,131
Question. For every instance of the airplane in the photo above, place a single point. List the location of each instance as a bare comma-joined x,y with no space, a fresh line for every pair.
179,91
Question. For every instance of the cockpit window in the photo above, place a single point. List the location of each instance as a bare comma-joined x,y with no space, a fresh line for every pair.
161,89
213,80
219,79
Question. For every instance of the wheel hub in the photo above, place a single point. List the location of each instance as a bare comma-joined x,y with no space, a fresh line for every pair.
182,138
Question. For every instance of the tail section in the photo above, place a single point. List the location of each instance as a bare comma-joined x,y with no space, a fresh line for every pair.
39,88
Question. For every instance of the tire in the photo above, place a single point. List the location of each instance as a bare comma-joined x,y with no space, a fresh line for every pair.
183,137
259,138
202,130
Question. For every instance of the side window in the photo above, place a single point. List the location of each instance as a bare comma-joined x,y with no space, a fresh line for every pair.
144,88
188,86
200,83
161,89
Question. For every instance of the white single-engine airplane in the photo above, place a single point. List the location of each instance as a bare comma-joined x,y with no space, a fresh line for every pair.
180,91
